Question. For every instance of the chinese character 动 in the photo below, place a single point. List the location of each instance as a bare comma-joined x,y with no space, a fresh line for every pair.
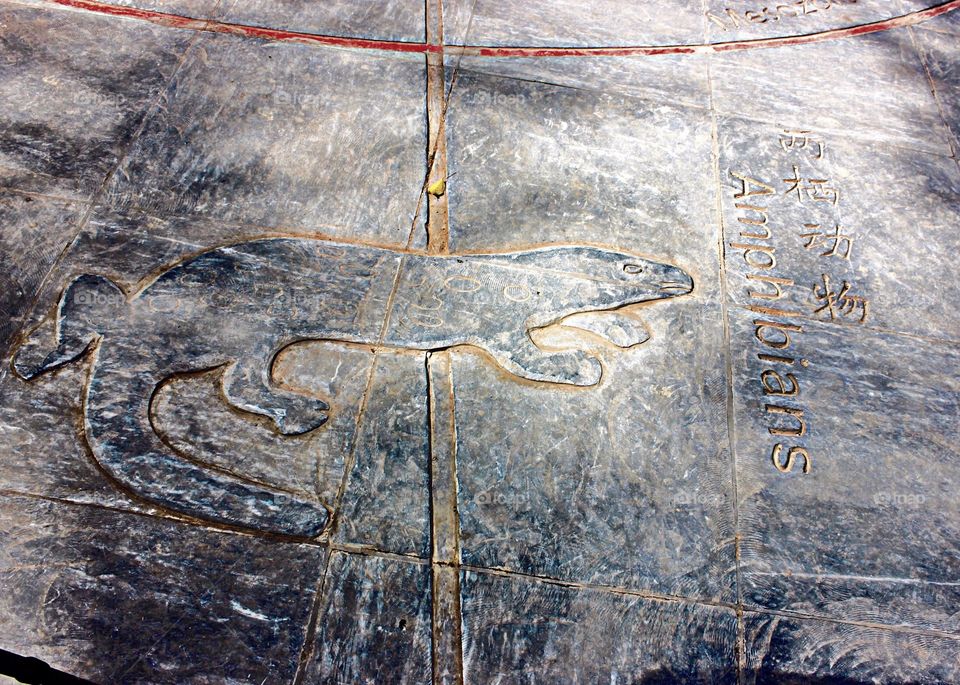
837,244
840,304
815,188
801,140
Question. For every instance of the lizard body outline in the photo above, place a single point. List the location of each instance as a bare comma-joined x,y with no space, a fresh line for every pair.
209,311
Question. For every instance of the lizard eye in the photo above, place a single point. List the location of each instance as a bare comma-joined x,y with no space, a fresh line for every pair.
632,268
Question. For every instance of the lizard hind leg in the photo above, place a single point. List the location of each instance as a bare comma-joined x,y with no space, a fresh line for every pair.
617,328
123,442
248,387
572,367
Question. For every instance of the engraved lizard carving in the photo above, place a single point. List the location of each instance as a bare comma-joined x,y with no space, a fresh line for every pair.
219,309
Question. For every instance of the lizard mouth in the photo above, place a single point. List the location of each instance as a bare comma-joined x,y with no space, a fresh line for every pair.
676,287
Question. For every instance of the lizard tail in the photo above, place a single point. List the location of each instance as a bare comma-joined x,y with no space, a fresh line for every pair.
117,420
121,436
88,306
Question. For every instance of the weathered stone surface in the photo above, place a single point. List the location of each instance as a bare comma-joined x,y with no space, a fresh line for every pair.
563,164
518,630
559,492
567,22
625,485
375,19
869,533
824,86
561,435
71,102
374,623
791,650
36,230
123,598
299,139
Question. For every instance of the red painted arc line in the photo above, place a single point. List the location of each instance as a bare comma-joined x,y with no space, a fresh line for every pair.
178,21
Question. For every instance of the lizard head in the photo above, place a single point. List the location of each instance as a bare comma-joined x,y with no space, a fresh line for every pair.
607,279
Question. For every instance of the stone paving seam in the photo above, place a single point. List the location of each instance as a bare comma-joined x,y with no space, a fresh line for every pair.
951,139
372,551
159,515
445,528
630,97
595,587
852,326
747,609
438,218
888,627
39,196
740,645
310,635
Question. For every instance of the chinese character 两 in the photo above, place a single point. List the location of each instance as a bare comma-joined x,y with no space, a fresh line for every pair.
815,188
839,304
836,243
792,139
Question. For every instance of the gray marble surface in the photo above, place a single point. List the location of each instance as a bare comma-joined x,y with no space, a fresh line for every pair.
401,20
296,139
659,387
565,22
72,103
824,86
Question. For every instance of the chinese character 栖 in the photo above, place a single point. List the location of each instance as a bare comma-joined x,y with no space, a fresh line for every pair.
815,188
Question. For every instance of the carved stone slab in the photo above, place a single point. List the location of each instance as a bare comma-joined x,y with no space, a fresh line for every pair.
405,342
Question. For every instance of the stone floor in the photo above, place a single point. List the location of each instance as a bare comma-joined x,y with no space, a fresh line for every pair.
462,341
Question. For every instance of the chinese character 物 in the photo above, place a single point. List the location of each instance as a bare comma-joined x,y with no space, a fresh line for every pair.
839,304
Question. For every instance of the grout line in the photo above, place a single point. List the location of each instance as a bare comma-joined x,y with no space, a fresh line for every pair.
740,648
446,633
213,26
310,635
161,516
438,219
951,138
370,551
596,587
676,599
889,627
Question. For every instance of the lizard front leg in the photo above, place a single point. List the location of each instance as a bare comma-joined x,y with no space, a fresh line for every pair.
247,386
